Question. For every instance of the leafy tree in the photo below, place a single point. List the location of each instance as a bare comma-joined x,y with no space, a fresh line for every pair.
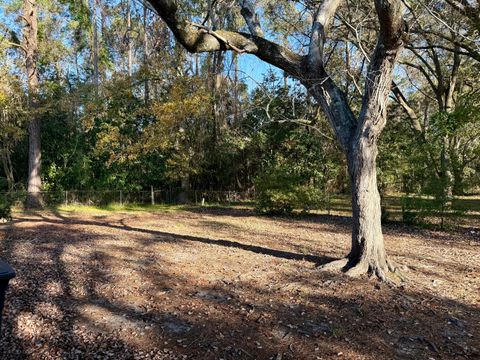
12,120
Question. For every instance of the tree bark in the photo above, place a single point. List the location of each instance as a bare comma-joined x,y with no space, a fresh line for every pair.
236,99
34,198
358,137
368,251
183,196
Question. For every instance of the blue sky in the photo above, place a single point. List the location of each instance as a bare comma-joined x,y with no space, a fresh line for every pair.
252,69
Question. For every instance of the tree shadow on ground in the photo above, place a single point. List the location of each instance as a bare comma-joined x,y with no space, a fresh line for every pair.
83,291
172,237
343,223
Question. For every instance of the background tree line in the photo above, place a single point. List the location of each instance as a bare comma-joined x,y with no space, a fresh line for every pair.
116,103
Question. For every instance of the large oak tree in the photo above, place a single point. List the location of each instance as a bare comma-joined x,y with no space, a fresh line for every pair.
357,133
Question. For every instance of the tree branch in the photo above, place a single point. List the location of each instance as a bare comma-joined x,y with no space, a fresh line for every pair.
323,17
197,40
380,73
251,17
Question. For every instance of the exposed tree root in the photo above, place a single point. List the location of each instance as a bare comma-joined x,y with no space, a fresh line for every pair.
335,265
370,268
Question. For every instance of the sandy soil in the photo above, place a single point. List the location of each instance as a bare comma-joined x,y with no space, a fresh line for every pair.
227,284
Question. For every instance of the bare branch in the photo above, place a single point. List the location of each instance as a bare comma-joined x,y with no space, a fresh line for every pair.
306,123
473,53
402,100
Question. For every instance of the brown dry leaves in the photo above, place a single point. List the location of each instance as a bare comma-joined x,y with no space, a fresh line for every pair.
213,284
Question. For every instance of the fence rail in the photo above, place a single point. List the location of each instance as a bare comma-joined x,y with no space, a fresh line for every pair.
409,209
144,197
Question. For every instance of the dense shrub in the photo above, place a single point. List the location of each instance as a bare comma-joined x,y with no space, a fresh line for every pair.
5,207
280,192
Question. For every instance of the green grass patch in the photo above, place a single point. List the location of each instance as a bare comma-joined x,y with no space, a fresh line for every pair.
106,209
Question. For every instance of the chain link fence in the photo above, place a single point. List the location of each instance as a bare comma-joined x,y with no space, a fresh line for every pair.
122,197
463,211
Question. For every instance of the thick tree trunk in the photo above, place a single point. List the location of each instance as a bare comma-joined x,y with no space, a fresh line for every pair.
34,198
368,252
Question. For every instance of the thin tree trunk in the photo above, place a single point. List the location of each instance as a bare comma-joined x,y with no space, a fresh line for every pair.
183,197
218,58
129,38
449,108
145,53
217,92
95,46
34,198
235,91
446,166
8,168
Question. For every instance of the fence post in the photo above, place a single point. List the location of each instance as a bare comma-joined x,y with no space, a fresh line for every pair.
66,197
121,197
152,195
329,204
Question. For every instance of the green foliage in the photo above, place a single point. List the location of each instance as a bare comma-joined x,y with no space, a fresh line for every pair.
434,209
279,191
5,207
202,124
3,184
299,160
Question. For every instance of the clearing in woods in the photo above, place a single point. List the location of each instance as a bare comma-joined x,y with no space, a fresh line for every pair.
205,283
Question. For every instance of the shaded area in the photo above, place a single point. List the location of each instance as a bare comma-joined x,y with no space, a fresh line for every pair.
130,286
166,237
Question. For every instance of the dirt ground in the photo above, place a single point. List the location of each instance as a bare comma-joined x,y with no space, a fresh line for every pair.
206,283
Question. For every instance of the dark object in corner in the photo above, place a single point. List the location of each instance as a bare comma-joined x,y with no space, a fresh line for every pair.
6,273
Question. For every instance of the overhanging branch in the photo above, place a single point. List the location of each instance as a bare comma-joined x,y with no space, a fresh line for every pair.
197,40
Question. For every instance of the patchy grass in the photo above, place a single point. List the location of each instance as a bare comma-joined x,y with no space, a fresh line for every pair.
112,208
224,283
